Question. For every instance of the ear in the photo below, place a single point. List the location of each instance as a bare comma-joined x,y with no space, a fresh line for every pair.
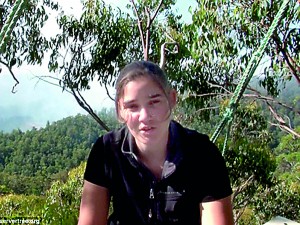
121,112
172,98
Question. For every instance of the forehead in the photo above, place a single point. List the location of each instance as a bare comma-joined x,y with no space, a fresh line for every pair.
141,87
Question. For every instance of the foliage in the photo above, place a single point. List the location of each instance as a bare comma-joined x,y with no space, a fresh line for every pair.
281,199
214,49
26,43
63,199
288,144
97,43
224,35
288,158
250,166
30,160
21,205
20,184
59,206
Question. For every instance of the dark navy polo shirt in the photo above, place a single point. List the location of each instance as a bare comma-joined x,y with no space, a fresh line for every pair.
194,172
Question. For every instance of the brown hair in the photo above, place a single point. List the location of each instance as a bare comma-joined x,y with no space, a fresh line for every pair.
138,69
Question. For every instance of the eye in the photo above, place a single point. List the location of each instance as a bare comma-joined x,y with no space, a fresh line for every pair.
131,107
154,102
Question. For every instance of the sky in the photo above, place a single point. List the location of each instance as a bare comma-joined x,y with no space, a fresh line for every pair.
37,102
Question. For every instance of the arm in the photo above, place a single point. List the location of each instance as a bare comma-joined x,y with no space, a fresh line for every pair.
94,205
217,212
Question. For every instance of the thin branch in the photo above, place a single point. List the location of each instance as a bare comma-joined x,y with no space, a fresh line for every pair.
206,94
139,26
149,21
81,101
13,76
221,87
286,128
16,80
289,120
295,70
156,11
163,53
242,187
79,98
207,108
269,99
42,78
108,94
282,124
146,38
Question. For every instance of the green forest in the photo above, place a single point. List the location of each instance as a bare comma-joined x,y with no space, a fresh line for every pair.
31,160
227,46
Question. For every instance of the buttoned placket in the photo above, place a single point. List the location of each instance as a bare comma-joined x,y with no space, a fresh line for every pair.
168,169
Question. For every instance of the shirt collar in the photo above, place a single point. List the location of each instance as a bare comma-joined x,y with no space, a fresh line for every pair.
174,149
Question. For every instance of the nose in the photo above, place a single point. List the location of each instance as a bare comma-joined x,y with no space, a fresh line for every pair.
145,114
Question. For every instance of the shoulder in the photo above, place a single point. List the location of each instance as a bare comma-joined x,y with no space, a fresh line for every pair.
193,142
113,137
185,133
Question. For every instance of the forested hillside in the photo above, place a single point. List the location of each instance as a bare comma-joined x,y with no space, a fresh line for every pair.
30,160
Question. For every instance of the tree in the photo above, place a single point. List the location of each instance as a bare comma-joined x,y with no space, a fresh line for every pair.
221,41
25,42
214,49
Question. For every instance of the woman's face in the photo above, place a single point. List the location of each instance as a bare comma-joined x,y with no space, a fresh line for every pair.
146,110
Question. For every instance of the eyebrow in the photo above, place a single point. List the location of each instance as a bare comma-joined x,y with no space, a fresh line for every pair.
151,96
154,95
126,103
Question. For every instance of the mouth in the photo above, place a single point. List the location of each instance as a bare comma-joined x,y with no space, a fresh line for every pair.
146,129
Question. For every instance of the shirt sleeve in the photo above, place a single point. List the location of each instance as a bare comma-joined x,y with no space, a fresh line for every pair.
96,167
216,178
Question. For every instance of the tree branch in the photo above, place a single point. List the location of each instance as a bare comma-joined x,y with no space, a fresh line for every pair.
163,58
81,101
107,92
286,128
13,76
269,99
79,98
242,187
42,78
149,21
282,124
140,28
295,70
156,11
145,38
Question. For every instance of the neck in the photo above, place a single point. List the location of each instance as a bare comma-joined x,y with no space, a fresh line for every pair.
155,148
153,158
154,153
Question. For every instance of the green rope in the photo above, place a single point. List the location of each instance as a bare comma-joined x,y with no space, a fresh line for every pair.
254,61
10,23
226,137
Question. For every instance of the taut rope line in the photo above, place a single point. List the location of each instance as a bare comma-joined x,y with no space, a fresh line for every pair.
254,61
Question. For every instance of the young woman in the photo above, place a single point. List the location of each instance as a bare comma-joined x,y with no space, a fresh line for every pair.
154,170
